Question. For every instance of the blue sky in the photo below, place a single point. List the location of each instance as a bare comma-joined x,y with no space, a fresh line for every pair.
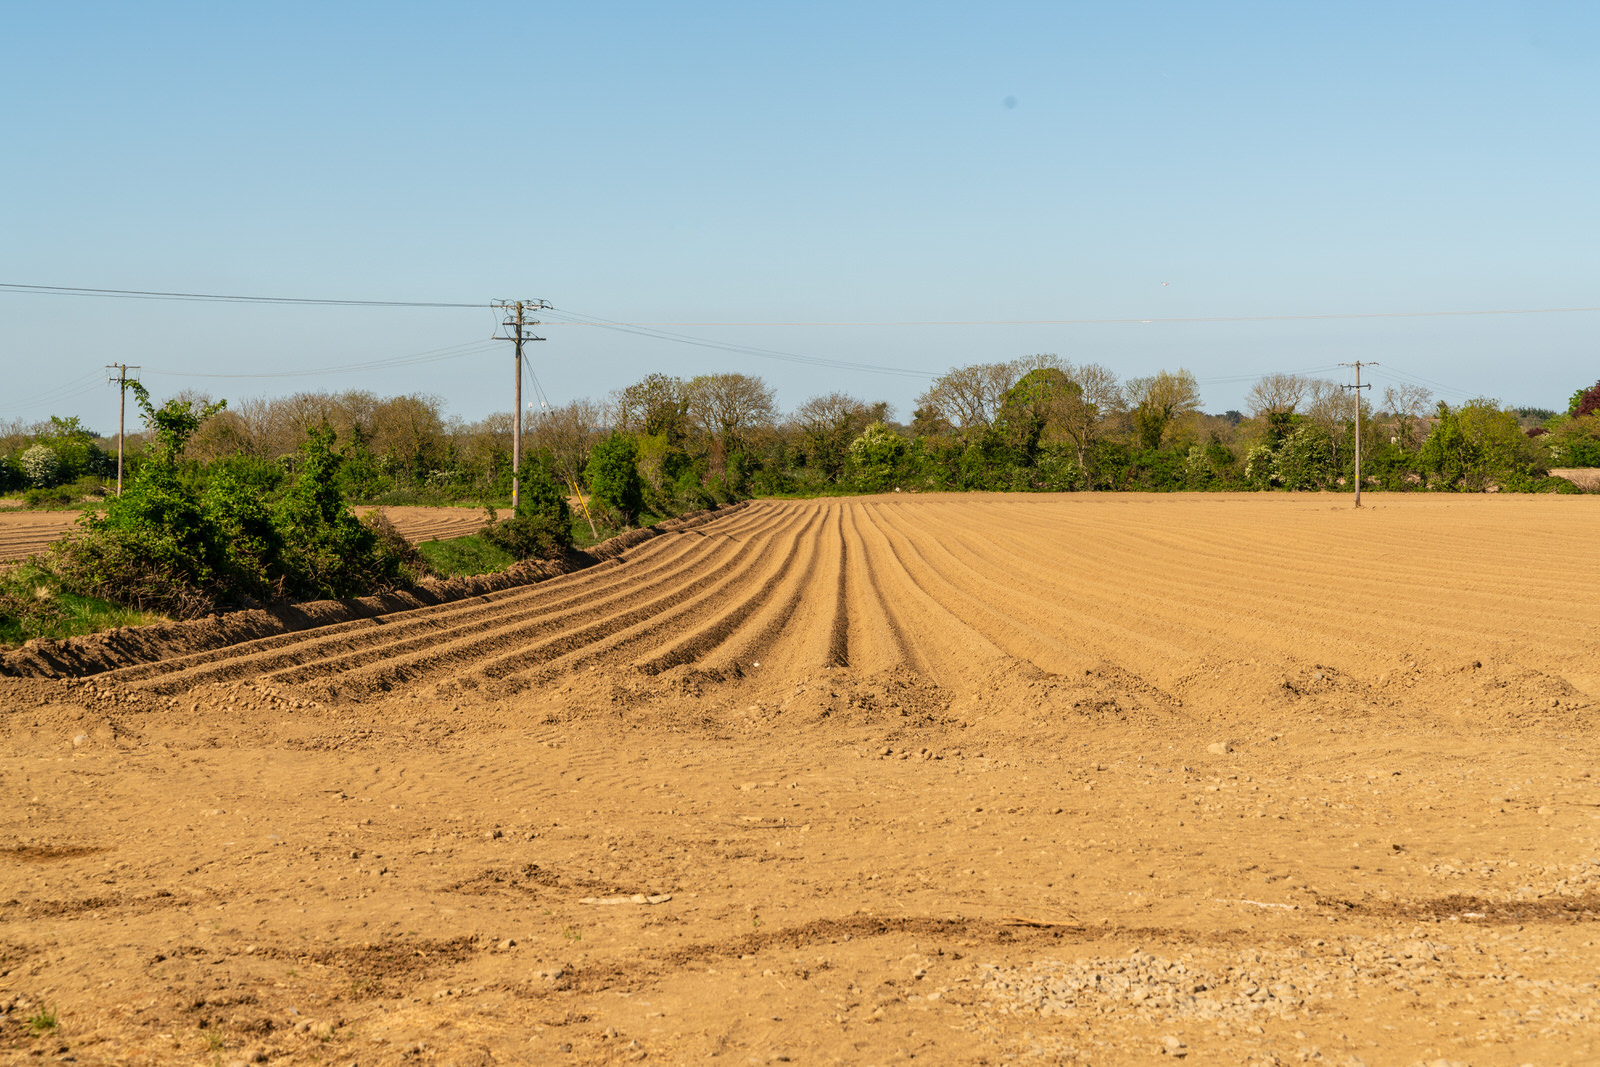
759,163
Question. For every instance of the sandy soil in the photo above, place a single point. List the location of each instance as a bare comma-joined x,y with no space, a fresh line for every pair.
22,533
972,779
425,524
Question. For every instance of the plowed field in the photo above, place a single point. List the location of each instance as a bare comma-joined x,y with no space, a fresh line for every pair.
23,533
960,779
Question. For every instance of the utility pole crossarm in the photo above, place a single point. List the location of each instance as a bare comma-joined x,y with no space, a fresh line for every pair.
517,322
1356,391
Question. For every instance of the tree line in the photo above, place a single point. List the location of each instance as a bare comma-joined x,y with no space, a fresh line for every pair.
664,444
251,504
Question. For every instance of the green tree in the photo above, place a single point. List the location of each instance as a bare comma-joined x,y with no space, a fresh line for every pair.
327,551
875,457
657,406
1477,444
1037,403
827,425
613,476
1158,400
1585,402
1304,459
542,526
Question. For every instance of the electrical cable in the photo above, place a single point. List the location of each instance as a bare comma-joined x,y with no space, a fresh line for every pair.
737,349
469,348
149,294
77,386
1400,377
221,298
1136,321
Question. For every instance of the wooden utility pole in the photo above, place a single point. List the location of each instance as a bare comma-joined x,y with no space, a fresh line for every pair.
1356,389
518,323
121,381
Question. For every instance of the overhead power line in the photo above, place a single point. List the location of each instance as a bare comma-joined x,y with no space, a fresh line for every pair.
225,298
589,320
1317,317
469,348
576,318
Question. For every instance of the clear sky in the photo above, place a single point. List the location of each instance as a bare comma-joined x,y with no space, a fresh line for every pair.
780,163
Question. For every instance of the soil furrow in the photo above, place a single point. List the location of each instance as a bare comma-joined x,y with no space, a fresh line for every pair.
697,645
479,627
506,652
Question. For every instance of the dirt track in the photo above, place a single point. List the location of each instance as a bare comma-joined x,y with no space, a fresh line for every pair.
964,779
23,533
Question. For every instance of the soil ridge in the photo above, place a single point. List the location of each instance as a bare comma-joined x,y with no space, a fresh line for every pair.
127,646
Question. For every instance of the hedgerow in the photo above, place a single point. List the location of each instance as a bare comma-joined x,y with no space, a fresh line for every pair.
168,545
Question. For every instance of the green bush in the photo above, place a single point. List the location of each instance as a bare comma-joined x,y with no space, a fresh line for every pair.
1574,442
613,476
1476,444
875,458
326,551
168,545
529,536
1304,460
40,466
60,496
540,490
542,525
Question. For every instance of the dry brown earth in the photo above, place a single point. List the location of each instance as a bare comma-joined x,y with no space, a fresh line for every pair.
23,533
958,779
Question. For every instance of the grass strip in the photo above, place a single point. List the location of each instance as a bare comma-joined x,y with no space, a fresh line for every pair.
33,604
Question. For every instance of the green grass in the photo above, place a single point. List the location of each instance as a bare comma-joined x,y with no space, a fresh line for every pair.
463,556
33,604
43,1021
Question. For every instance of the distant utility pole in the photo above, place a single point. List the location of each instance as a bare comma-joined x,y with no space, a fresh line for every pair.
1356,389
517,323
121,381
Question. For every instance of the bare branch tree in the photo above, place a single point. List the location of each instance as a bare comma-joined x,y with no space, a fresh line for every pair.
1408,406
728,406
1277,394
969,397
